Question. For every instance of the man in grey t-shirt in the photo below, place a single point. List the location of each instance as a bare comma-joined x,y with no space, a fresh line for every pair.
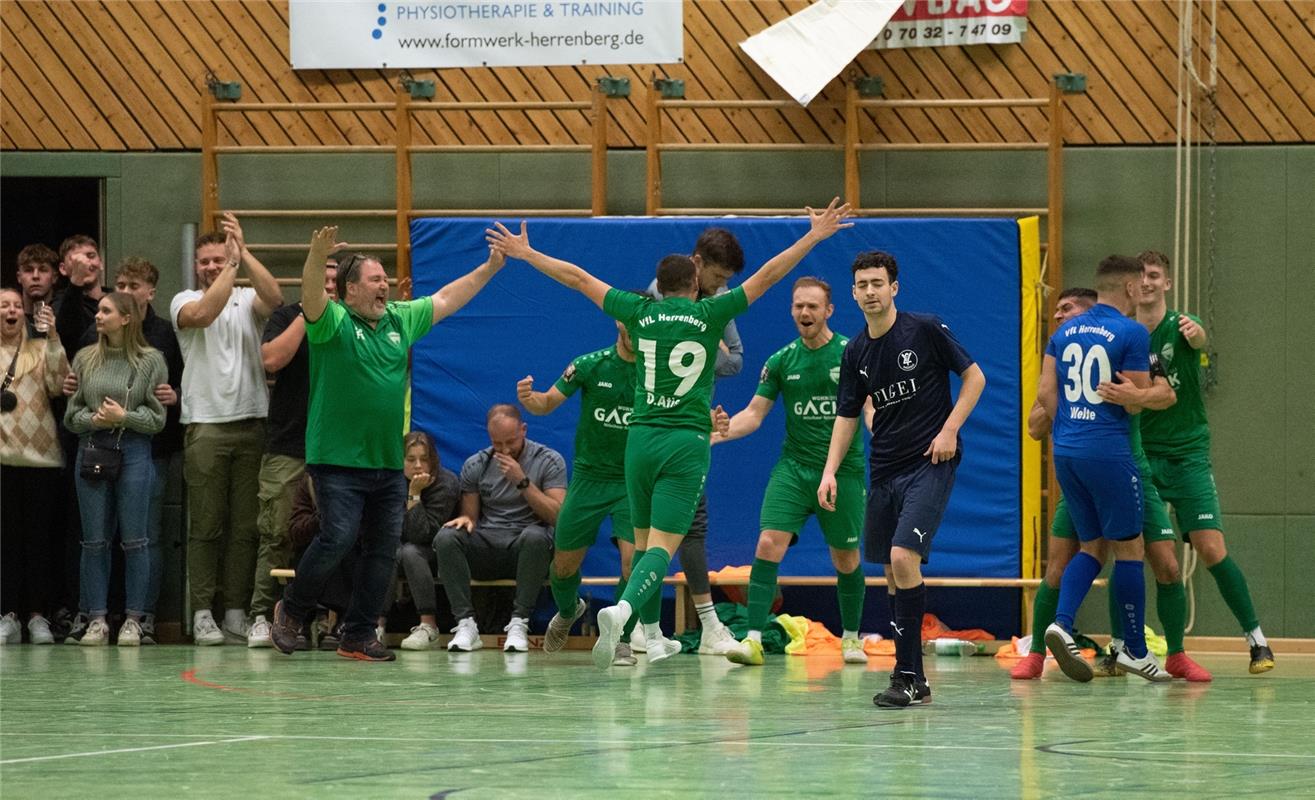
510,495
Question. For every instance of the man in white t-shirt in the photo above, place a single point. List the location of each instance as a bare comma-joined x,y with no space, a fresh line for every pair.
224,405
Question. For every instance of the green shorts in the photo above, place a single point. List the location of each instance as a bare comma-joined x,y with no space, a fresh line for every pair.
792,495
665,472
1155,525
588,502
1187,482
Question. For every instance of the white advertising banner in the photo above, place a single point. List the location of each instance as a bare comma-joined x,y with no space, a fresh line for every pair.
940,23
377,34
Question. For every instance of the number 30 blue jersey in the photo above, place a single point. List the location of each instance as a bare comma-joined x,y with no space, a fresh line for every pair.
1089,349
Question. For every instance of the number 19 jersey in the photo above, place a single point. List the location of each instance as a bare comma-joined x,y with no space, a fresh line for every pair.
1089,349
675,343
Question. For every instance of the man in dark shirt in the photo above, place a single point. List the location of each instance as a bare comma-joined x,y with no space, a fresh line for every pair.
285,354
903,362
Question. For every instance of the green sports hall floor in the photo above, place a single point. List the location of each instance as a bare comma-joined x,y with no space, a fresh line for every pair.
178,721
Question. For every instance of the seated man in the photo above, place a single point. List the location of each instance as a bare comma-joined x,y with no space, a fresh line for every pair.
510,495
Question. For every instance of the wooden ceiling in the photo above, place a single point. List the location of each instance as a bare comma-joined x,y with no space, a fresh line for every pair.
127,75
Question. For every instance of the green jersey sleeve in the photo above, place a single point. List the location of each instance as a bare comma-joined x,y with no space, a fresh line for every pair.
575,374
324,328
623,306
769,380
723,308
417,317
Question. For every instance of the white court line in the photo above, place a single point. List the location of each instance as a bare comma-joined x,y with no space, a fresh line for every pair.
792,742
129,750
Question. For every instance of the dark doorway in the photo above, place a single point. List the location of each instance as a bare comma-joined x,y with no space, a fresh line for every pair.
46,210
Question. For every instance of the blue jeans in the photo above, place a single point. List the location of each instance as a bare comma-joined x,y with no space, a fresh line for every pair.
127,500
154,529
364,504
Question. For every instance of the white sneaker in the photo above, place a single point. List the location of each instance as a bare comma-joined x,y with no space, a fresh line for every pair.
1145,667
258,636
622,656
204,630
611,621
662,648
1067,654
11,630
130,635
97,635
559,628
637,642
235,631
716,641
38,631
518,635
851,650
423,637
467,636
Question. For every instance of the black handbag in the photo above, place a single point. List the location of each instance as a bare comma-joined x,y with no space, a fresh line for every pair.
102,458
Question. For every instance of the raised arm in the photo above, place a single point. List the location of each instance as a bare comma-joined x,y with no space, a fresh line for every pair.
200,313
314,299
538,403
268,294
746,421
564,272
822,224
450,299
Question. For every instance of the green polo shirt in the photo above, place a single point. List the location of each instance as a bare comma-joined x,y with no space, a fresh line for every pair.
358,378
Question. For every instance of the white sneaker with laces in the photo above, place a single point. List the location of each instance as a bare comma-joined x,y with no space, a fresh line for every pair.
716,641
559,628
518,635
1067,654
204,630
638,644
97,635
11,630
1145,667
662,648
466,636
258,636
38,631
423,637
130,635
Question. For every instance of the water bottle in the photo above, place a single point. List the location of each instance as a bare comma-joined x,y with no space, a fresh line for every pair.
949,647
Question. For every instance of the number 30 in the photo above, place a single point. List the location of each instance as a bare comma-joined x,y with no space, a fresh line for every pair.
1078,383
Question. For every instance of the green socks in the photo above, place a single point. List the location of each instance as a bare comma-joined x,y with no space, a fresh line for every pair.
850,590
1233,586
762,590
620,591
646,581
1171,606
565,591
1044,606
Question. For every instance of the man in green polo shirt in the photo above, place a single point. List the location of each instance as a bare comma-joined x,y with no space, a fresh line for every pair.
359,347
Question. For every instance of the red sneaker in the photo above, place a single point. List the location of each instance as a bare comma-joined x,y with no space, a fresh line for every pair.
1030,668
1181,665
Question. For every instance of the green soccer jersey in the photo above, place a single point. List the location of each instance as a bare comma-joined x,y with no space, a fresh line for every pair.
606,383
676,342
808,379
1182,427
358,373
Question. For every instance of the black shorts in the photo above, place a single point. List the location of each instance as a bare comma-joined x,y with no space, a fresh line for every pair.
905,510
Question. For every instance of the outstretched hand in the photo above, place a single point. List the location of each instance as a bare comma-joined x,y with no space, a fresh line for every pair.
829,220
324,242
232,235
510,245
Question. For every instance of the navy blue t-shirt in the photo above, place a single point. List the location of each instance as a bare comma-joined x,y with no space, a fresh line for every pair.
1089,349
906,372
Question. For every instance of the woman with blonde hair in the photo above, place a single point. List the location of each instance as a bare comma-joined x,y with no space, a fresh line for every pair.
34,367
115,410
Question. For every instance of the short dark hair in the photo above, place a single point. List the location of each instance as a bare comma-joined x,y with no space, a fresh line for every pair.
1114,270
719,246
1154,258
348,266
676,273
213,237
503,410
75,241
37,254
876,259
139,268
808,280
1078,293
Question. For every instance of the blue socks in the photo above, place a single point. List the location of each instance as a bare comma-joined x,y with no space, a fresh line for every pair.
1073,587
1129,590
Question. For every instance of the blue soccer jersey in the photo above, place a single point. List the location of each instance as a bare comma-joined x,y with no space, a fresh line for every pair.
1089,349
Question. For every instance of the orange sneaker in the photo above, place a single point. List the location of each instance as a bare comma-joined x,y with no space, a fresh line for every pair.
1029,668
1181,665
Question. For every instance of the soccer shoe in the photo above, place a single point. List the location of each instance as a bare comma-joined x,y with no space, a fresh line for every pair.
518,635
637,641
1107,665
130,635
204,630
1181,665
11,630
662,648
901,692
716,641
368,650
1067,654
258,636
748,652
97,635
1145,667
38,631
851,650
559,628
1029,667
611,622
1262,659
422,637
284,630
622,656
466,636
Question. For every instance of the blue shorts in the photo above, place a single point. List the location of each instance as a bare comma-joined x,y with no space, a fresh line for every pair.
905,510
1104,498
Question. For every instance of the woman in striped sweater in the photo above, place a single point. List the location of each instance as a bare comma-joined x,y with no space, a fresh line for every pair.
115,406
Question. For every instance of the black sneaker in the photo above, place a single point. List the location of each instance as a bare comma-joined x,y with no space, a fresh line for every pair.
367,650
77,627
284,630
921,692
148,629
900,694
1262,659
